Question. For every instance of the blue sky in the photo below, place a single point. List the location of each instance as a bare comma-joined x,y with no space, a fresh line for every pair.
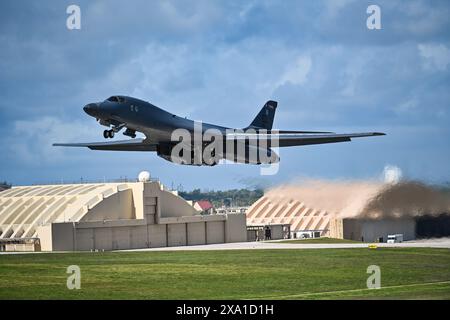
219,61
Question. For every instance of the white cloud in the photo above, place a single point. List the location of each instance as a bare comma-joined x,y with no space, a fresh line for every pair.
353,70
420,18
436,56
296,74
246,9
409,106
392,174
157,17
334,6
184,79
31,141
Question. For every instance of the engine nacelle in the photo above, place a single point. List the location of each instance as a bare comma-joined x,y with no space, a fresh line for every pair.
247,154
250,154
165,151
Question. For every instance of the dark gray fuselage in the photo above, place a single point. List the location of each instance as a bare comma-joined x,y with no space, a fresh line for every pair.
135,114
165,131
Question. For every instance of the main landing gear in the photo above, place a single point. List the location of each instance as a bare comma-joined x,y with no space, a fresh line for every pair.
108,134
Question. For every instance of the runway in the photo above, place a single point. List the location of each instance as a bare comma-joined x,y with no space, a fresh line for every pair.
280,244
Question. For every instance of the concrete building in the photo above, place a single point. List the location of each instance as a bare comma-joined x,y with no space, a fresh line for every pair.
277,231
107,216
365,211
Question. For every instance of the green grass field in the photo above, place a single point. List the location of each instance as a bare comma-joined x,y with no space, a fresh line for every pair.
317,240
406,273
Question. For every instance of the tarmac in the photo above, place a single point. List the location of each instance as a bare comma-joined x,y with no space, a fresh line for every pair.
280,244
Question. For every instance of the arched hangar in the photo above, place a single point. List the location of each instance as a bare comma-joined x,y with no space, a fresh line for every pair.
107,216
356,210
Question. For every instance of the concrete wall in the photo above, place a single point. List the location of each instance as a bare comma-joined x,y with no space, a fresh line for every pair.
63,236
44,233
196,233
174,206
121,238
110,238
127,234
56,237
138,237
276,232
336,229
165,220
157,235
84,239
117,206
151,209
176,234
215,232
139,191
236,228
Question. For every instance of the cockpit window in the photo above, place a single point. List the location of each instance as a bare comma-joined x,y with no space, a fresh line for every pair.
116,99
113,99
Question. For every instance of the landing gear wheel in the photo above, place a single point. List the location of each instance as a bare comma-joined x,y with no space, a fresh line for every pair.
111,134
106,134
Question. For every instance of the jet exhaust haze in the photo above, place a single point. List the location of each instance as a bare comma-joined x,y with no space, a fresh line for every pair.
366,199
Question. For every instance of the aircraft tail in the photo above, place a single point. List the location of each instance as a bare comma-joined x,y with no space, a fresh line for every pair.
264,119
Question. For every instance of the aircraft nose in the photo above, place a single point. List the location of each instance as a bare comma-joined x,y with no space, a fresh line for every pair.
91,109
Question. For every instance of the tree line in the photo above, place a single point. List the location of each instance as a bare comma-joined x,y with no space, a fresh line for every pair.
234,197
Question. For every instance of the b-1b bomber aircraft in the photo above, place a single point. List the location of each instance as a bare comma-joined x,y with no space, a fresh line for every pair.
158,126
